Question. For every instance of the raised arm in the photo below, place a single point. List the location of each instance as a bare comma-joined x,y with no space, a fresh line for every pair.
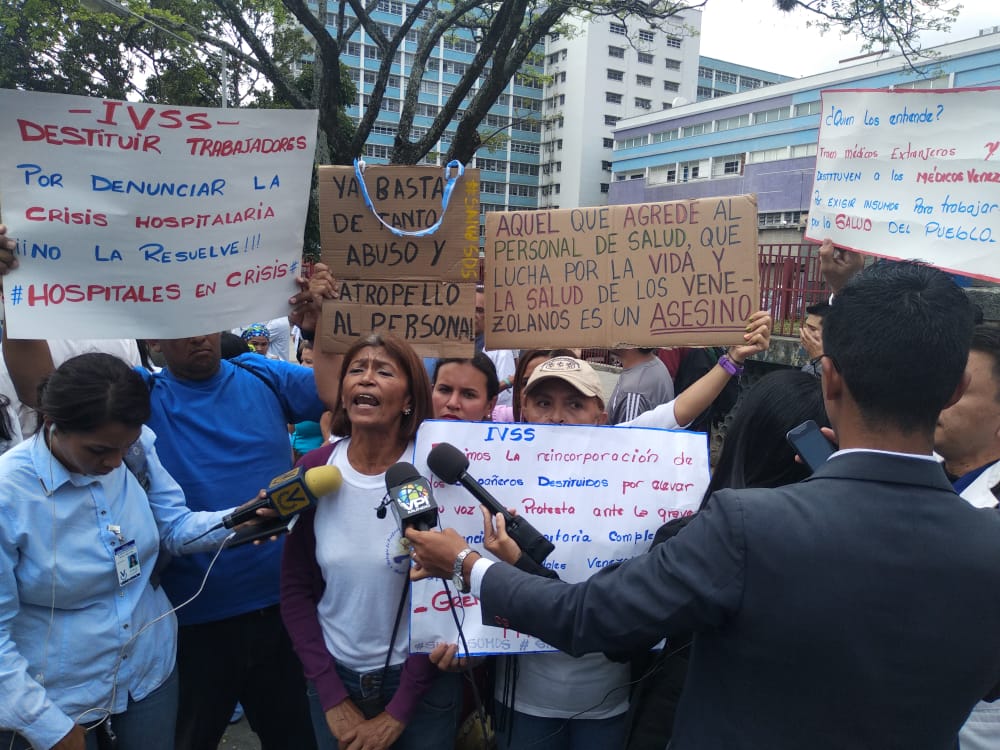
28,361
700,394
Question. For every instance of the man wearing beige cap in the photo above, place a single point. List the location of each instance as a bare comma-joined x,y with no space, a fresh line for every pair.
534,707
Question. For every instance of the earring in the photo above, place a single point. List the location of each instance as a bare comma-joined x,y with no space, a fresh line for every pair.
407,411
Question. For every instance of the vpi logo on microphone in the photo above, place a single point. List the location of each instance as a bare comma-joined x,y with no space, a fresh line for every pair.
414,497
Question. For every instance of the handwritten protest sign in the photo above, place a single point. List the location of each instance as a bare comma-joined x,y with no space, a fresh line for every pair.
651,274
597,493
142,220
421,288
910,174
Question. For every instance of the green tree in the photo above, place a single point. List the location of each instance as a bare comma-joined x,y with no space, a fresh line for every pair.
287,53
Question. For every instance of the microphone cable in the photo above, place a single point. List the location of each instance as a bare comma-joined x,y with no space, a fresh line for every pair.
476,698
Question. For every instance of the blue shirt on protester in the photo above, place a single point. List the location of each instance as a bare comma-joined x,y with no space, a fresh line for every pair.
223,439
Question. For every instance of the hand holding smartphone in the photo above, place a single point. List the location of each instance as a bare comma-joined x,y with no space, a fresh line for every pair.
810,444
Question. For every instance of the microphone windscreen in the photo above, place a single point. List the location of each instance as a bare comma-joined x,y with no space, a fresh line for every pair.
448,462
400,473
322,480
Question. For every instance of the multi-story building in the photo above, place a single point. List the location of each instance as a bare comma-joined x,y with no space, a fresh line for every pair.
510,169
597,72
720,78
764,141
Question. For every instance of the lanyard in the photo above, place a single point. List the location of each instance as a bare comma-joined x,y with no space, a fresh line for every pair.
359,168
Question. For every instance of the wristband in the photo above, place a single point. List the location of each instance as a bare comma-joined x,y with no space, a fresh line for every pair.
729,366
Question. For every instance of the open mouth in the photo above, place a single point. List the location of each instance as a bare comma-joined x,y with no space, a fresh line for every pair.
366,399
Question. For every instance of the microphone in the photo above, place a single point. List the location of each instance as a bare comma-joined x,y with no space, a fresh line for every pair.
290,493
450,464
411,498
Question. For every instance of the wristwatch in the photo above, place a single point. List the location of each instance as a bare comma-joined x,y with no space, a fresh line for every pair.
457,579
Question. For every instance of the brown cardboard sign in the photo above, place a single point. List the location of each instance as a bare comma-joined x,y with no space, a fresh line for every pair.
648,274
419,287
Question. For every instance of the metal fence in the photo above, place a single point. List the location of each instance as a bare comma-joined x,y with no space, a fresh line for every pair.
790,281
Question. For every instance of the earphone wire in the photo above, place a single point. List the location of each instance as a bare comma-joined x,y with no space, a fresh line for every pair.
107,712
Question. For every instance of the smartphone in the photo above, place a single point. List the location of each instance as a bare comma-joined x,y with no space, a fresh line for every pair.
810,444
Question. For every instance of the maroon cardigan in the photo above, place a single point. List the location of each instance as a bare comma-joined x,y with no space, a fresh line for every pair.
302,587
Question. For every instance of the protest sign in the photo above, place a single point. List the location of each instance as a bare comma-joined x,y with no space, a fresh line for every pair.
150,221
910,174
597,493
419,285
650,274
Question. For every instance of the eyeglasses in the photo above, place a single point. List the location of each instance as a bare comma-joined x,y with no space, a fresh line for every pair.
816,362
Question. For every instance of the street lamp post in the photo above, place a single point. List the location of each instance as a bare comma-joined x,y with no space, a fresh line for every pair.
121,10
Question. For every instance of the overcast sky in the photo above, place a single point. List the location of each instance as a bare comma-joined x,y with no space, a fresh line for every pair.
755,33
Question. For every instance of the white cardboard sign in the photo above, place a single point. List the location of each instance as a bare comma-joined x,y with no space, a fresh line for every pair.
597,493
141,220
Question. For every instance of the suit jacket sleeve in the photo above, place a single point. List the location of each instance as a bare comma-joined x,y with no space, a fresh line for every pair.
691,582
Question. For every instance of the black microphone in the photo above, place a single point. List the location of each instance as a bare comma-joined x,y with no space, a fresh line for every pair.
450,464
411,498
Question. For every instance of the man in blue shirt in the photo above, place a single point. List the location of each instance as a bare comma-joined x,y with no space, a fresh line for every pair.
222,427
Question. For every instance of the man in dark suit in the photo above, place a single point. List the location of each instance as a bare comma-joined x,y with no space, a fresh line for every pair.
858,609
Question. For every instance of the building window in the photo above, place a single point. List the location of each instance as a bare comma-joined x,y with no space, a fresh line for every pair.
704,92
518,168
611,120
618,52
639,140
643,103
671,86
673,64
722,76
382,129
750,83
644,81
726,166
731,123
673,41
692,130
646,35
609,143
615,75
619,29
664,135
646,58
606,166
390,6
661,174
612,98
690,170
809,108
524,147
706,73
771,115
605,187
806,149
377,151
768,154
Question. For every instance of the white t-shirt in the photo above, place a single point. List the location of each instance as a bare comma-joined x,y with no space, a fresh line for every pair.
561,686
365,568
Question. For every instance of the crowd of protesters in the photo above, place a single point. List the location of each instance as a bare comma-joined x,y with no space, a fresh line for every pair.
120,459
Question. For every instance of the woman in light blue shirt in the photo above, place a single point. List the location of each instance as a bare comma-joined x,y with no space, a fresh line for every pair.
87,639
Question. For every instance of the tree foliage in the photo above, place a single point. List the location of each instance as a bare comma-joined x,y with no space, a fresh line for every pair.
287,53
